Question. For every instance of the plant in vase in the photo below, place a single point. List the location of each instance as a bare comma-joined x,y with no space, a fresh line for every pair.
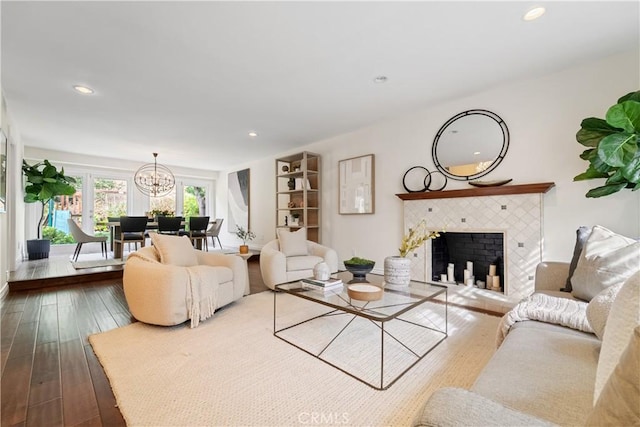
295,219
44,183
397,269
245,236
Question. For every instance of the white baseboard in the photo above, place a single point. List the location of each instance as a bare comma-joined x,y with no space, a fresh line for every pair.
4,290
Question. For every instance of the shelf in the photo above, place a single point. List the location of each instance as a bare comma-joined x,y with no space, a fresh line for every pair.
311,190
541,187
307,175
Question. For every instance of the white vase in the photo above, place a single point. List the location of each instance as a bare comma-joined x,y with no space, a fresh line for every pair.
321,271
397,270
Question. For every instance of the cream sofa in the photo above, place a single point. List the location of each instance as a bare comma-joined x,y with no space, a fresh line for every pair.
542,373
171,291
276,267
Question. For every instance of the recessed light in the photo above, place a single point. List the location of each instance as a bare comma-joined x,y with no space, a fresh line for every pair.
83,89
534,13
380,79
253,134
475,153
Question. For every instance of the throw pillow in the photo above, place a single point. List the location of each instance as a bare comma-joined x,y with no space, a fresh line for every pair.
599,307
619,402
582,234
607,258
623,318
293,243
174,250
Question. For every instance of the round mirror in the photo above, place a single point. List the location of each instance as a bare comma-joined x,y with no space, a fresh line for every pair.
470,145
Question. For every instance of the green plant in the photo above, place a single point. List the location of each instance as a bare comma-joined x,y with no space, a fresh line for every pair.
161,212
57,237
244,235
613,147
44,183
416,237
359,261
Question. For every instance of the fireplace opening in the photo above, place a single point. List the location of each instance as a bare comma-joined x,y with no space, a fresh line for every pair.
469,249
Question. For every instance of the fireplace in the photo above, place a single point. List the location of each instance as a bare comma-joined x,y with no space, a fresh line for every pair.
472,251
517,216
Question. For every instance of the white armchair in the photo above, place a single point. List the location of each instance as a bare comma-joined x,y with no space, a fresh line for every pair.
276,267
171,282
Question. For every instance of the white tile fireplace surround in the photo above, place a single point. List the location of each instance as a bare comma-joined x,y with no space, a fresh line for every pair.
515,210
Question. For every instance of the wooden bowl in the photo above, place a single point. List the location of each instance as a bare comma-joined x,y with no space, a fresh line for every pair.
364,292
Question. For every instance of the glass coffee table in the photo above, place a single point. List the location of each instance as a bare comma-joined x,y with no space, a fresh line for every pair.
375,342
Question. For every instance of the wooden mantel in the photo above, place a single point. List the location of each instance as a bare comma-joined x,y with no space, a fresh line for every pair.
541,187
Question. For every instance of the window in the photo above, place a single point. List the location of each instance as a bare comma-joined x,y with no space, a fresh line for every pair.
195,201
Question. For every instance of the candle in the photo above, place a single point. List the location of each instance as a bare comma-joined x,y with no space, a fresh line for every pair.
470,267
470,281
489,281
443,277
492,270
480,284
496,282
450,277
467,274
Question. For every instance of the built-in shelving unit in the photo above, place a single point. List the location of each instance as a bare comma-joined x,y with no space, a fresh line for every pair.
298,193
541,187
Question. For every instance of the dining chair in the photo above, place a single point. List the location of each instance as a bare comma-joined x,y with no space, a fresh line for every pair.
132,230
214,231
169,225
81,237
198,231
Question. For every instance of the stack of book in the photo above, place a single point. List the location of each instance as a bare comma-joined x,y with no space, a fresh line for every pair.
330,285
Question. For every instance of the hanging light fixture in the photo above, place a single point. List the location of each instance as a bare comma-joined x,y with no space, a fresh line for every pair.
153,179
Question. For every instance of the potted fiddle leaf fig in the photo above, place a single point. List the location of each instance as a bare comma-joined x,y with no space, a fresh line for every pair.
613,147
44,183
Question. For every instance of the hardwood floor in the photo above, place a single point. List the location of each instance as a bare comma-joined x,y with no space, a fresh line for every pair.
50,375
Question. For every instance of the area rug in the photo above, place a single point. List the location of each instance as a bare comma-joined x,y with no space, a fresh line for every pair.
78,265
231,370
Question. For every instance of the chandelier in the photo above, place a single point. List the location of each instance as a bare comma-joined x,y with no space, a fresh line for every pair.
153,179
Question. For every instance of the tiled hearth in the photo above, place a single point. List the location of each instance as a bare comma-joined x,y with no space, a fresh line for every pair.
518,216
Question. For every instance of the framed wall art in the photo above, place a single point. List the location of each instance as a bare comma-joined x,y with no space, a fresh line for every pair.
357,185
238,200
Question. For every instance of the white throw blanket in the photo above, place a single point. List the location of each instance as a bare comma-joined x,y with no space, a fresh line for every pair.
546,308
202,293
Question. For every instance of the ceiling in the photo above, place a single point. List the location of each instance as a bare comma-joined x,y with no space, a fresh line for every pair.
190,80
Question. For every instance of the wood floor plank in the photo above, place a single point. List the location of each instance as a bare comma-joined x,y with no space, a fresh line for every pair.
32,307
109,412
79,399
8,329
48,324
85,317
67,326
15,390
46,414
100,312
45,376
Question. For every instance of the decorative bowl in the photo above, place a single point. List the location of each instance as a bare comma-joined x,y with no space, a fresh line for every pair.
364,292
359,270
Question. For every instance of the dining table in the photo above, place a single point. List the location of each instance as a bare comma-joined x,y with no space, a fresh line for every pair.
152,224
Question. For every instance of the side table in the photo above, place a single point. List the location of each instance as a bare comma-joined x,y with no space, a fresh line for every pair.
246,257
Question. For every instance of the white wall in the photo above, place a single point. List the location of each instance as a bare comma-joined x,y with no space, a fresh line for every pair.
543,116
